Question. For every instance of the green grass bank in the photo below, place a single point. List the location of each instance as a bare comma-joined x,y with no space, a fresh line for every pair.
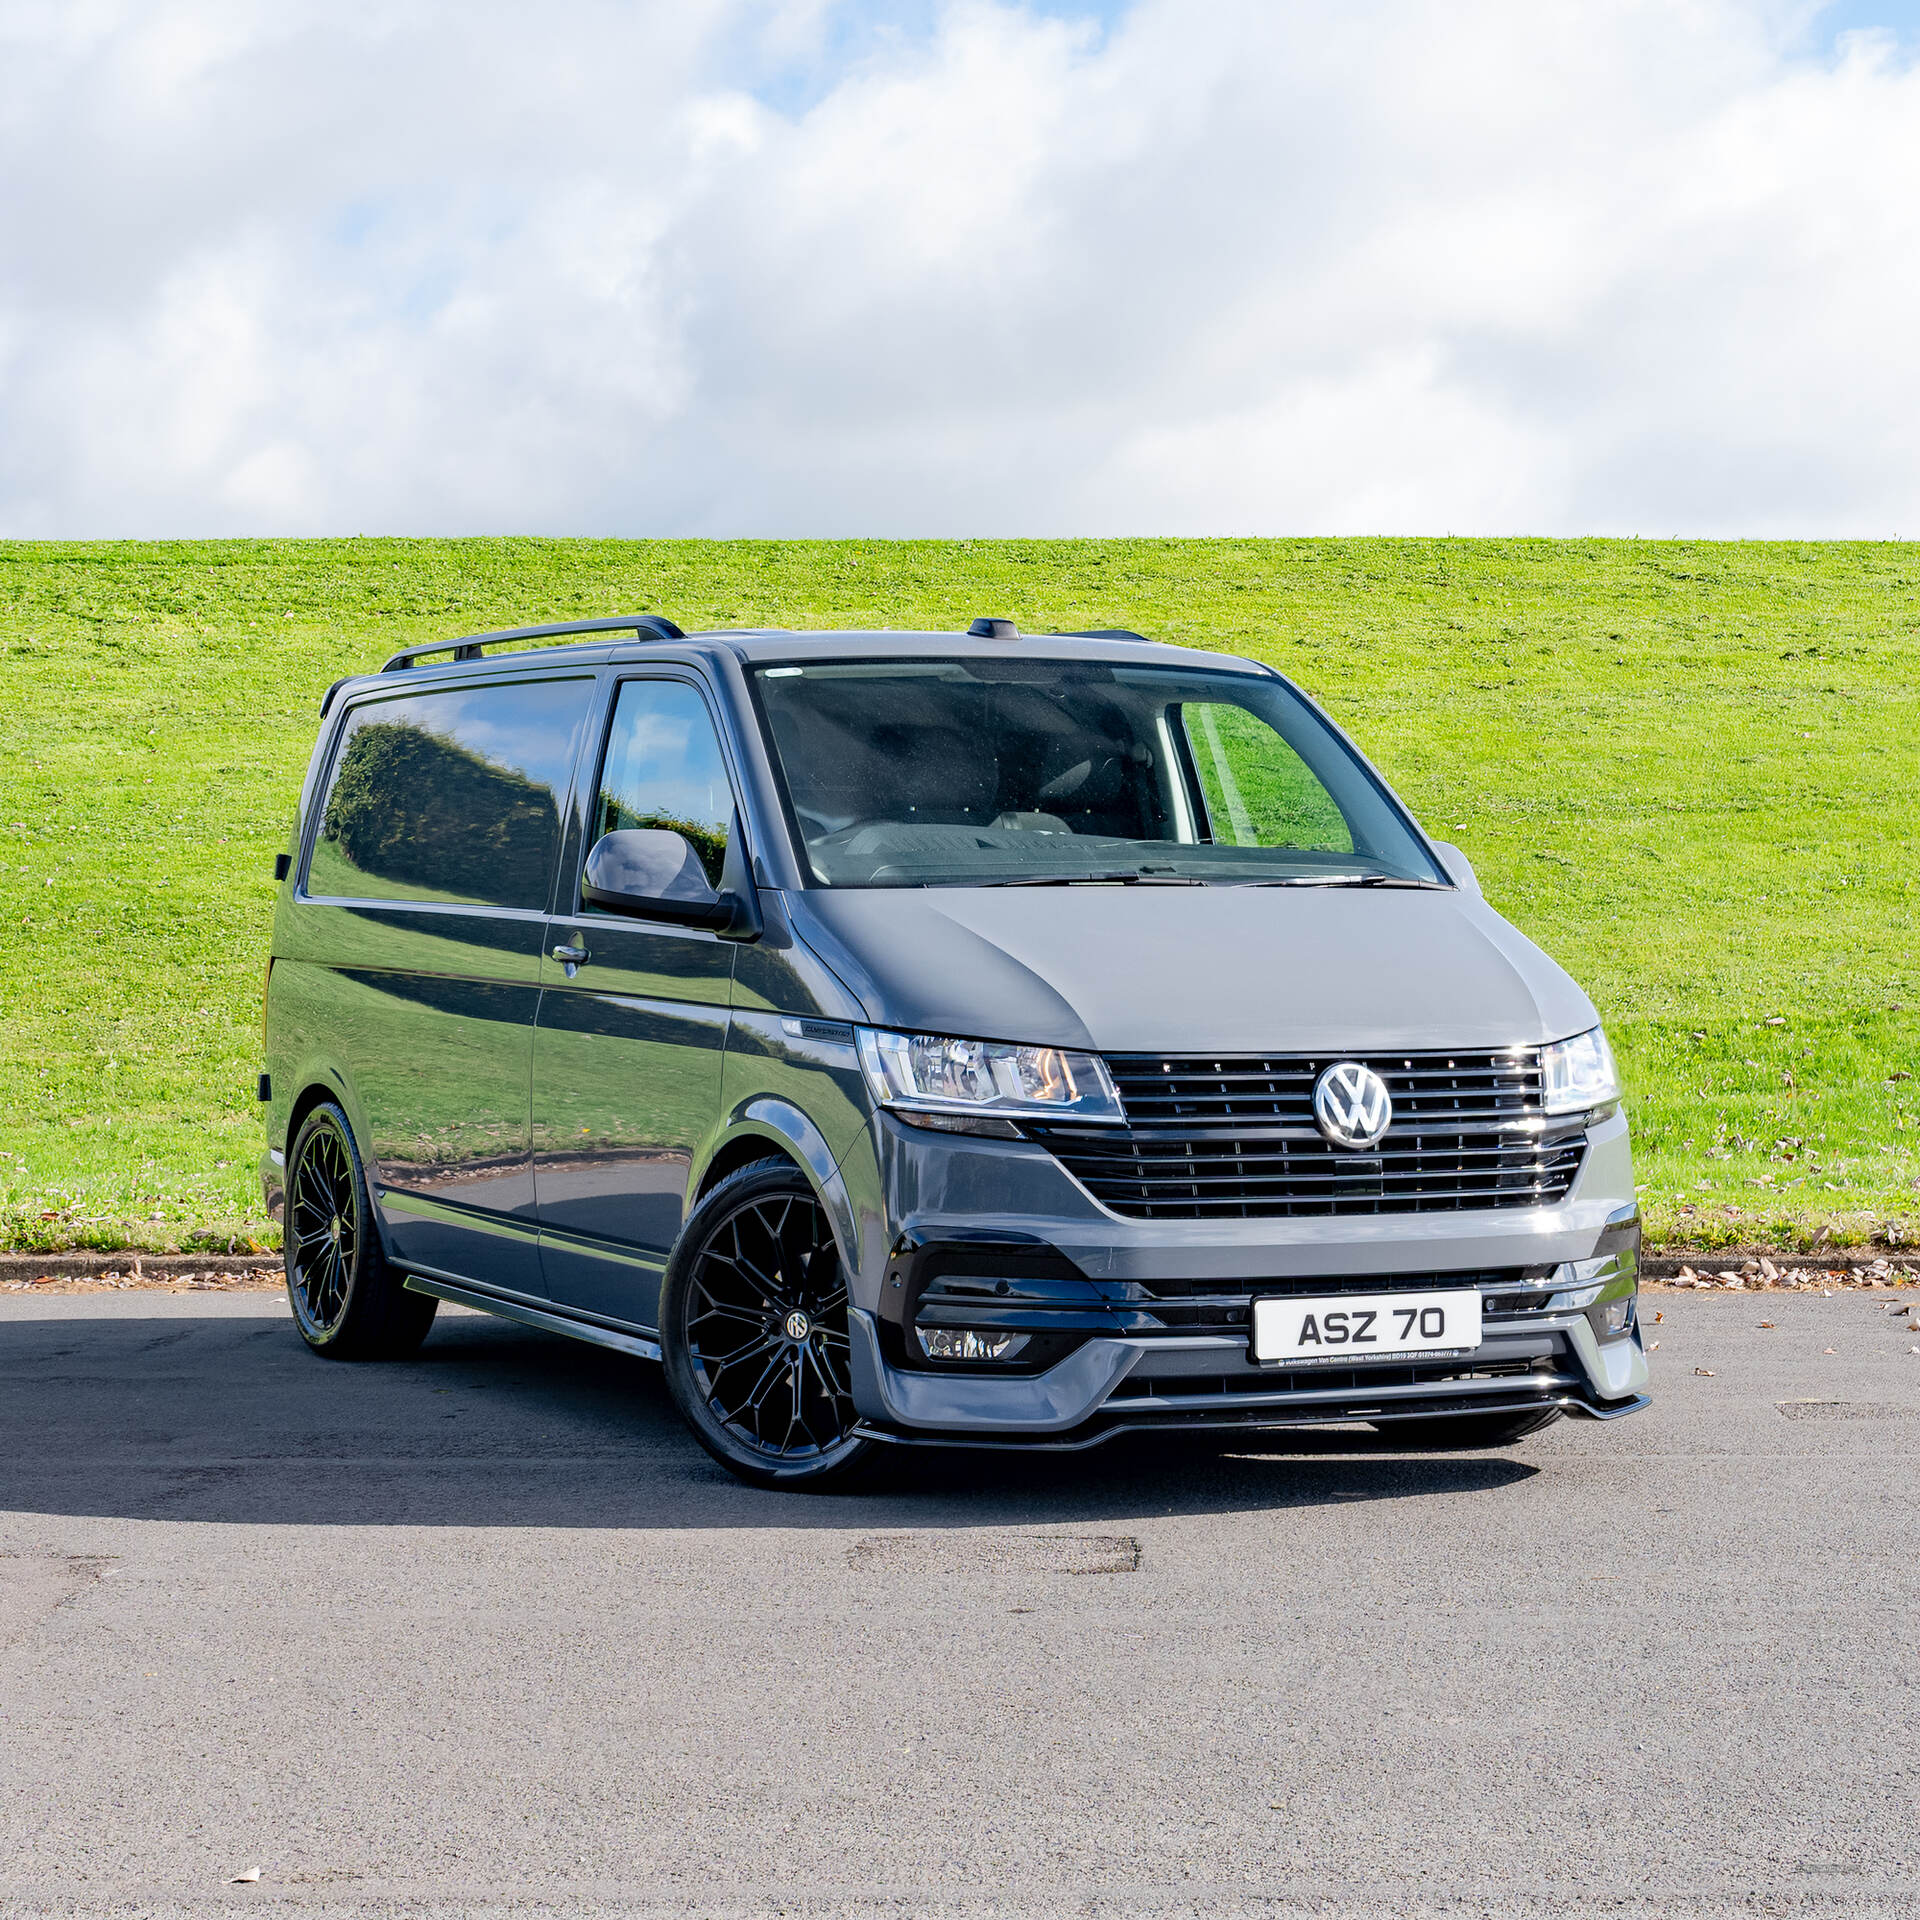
1690,770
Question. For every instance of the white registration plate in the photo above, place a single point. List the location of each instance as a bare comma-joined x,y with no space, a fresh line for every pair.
1352,1327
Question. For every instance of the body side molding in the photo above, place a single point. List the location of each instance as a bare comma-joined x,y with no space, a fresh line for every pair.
541,1317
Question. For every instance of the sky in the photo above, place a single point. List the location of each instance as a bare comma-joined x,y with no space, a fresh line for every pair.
959,267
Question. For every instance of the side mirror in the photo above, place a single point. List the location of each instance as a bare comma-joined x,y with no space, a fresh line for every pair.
1458,867
653,873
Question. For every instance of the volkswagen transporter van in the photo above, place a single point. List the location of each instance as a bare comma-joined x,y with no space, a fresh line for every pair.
931,1038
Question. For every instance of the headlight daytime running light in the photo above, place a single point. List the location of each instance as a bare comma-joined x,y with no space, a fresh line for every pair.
1579,1073
931,1073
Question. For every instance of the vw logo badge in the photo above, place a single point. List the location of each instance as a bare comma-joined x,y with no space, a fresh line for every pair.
1351,1105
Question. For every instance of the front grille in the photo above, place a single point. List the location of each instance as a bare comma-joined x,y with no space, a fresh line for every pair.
1234,1139
1449,1087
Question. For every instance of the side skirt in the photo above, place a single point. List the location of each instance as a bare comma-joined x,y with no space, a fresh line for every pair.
541,1317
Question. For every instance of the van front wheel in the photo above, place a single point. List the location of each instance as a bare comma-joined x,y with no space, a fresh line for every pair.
754,1333
348,1303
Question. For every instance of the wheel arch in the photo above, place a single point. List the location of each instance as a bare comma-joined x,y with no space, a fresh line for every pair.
310,1096
318,1087
768,1127
742,1150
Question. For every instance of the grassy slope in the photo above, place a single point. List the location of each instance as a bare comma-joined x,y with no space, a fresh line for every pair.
1689,770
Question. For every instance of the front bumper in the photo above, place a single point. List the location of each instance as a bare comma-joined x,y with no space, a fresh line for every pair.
1528,1359
1149,1320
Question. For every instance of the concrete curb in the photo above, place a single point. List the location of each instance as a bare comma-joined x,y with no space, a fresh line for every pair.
149,1266
1739,1259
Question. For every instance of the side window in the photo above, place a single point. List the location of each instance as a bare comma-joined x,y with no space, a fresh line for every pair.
1258,791
451,796
663,768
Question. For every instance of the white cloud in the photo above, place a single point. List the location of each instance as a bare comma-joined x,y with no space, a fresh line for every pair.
1339,265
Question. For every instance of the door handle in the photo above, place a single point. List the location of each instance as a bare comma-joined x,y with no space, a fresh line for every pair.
570,957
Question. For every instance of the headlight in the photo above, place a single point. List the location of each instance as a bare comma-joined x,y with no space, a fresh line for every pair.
925,1073
1578,1073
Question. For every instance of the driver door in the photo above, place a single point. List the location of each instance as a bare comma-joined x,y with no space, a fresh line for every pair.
632,1024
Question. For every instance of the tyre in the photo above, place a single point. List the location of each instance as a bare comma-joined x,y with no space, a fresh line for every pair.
754,1333
1463,1430
348,1303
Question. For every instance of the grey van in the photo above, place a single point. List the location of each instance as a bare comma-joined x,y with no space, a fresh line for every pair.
973,1039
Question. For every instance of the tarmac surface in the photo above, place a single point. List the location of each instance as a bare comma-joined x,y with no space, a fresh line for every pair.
485,1632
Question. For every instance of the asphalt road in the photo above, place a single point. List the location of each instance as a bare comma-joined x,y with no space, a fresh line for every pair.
486,1632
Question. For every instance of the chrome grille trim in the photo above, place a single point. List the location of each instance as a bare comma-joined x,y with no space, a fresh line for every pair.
1233,1137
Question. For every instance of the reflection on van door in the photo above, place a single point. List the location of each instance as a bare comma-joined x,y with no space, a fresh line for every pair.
426,889
628,1050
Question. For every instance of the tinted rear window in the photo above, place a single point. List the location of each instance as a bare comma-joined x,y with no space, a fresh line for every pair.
451,796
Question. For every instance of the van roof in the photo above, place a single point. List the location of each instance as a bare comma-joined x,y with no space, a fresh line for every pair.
642,636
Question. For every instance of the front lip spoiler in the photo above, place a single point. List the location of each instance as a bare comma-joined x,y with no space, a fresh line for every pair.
1242,1420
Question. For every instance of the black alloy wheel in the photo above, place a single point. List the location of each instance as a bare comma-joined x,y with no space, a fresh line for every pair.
348,1303
755,1332
1459,1432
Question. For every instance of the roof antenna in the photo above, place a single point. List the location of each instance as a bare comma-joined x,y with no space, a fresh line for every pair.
986,628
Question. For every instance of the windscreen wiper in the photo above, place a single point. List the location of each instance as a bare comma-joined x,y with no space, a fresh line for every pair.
1349,880
1130,878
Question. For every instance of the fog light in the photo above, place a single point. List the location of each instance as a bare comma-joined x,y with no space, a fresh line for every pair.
962,1343
1617,1315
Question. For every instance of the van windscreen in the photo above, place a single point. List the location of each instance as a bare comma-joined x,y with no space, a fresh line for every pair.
905,773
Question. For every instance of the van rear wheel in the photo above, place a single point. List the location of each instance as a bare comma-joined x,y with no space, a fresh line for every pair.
754,1333
348,1303
1466,1430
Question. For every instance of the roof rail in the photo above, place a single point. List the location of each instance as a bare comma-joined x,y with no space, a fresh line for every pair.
472,646
1104,633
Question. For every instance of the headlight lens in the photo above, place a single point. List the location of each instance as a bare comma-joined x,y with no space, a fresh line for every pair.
927,1073
1578,1073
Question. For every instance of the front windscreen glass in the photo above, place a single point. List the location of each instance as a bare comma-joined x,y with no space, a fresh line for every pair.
917,773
